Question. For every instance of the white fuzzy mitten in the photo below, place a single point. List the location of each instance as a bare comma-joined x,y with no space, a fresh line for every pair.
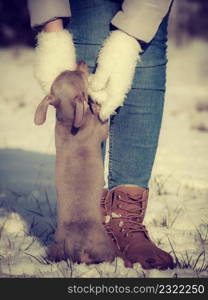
114,75
55,52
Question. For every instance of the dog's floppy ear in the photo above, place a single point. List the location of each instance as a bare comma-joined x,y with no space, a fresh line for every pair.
41,111
81,107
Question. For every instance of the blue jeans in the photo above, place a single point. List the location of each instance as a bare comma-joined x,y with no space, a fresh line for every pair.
134,130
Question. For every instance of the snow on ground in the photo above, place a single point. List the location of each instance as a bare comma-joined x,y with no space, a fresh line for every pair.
177,212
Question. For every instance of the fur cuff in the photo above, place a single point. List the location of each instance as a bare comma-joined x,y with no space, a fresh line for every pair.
55,52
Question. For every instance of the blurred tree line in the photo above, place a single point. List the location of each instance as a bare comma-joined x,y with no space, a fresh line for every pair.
15,24
189,20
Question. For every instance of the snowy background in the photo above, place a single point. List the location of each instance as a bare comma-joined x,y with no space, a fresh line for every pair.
177,214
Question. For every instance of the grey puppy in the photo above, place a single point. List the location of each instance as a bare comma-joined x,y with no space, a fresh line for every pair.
79,172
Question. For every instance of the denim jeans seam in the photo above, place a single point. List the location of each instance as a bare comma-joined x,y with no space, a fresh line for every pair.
110,167
87,43
148,89
139,66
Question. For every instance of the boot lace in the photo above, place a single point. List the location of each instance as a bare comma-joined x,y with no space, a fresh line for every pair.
132,221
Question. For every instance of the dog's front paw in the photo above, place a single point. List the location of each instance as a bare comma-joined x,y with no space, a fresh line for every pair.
82,242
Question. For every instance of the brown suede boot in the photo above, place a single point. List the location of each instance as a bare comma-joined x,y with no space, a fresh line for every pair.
123,209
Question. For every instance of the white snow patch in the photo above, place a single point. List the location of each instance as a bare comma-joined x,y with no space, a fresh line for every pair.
15,225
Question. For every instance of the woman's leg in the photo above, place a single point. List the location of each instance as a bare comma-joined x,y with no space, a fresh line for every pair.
90,26
134,134
134,131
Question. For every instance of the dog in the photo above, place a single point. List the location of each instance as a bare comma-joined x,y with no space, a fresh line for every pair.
79,172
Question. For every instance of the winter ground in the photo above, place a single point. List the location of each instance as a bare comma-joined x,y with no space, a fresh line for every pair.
177,215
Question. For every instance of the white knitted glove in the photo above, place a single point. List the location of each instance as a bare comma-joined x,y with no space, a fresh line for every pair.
54,53
114,75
